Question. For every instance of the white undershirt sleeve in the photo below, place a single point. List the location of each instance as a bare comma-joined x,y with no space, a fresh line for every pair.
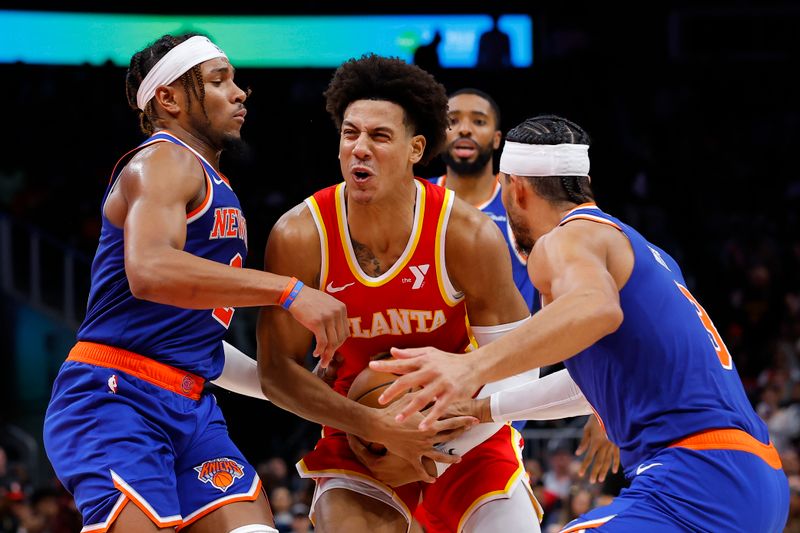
240,374
551,397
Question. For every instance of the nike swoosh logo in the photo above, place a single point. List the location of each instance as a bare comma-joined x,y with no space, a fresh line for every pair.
330,288
218,182
643,468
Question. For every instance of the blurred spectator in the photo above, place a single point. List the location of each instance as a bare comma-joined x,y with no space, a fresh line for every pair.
300,522
273,473
558,479
280,499
494,47
426,56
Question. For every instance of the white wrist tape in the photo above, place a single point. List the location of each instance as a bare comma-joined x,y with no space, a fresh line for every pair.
240,374
486,334
552,397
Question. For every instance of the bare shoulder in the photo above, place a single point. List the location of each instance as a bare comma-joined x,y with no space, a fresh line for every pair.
164,157
297,225
470,231
578,241
293,247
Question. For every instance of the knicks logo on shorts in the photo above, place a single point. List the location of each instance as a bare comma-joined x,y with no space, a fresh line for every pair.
221,472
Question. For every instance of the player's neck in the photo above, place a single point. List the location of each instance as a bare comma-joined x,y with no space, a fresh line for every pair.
196,142
385,223
475,190
543,217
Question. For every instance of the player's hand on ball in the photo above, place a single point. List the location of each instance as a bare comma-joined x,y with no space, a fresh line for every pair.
388,467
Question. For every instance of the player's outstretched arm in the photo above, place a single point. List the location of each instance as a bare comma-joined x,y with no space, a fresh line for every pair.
153,194
571,269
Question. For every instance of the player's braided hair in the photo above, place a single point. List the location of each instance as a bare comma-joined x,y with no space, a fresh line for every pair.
373,77
552,129
143,61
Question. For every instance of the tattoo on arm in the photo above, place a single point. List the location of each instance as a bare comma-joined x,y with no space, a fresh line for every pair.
367,259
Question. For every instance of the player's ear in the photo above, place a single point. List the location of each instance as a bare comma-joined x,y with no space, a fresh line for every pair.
417,148
498,136
169,98
520,189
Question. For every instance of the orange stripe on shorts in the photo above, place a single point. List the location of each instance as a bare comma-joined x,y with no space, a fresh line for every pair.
731,439
150,370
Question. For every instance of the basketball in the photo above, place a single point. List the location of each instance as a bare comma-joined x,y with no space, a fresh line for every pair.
366,389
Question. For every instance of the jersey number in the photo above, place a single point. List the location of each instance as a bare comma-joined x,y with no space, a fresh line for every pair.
722,351
224,315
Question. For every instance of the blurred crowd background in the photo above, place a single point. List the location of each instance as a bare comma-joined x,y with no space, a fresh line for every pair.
693,120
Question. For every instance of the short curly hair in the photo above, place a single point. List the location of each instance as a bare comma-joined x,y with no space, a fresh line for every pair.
373,77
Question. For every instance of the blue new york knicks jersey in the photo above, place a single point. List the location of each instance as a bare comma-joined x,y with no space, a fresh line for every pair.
665,373
188,339
494,209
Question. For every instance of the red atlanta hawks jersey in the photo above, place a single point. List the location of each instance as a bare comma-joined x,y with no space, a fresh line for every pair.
412,304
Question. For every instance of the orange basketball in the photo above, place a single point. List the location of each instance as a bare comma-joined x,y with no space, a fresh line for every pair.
222,479
366,389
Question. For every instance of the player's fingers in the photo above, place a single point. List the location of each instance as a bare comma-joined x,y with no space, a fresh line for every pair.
615,460
333,344
602,462
321,346
423,474
407,353
342,329
441,457
358,448
441,402
584,443
587,460
401,385
455,423
393,367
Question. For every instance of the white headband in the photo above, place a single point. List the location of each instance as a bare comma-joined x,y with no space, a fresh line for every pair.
524,159
169,68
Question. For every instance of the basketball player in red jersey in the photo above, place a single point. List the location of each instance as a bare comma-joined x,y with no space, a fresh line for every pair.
411,262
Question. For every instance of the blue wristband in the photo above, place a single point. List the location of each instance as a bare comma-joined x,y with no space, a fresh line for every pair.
292,295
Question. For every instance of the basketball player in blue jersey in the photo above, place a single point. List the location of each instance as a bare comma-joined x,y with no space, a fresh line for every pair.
638,344
472,138
129,430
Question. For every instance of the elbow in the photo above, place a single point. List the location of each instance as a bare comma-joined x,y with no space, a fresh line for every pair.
269,375
610,317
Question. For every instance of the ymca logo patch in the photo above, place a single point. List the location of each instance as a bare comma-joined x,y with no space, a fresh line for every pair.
220,472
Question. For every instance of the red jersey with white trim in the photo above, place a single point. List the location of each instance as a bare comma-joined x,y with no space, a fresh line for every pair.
412,304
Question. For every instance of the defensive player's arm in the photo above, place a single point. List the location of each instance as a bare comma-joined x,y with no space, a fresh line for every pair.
569,267
294,246
157,188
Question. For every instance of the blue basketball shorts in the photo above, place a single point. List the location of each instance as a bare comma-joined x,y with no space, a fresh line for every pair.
114,438
697,490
